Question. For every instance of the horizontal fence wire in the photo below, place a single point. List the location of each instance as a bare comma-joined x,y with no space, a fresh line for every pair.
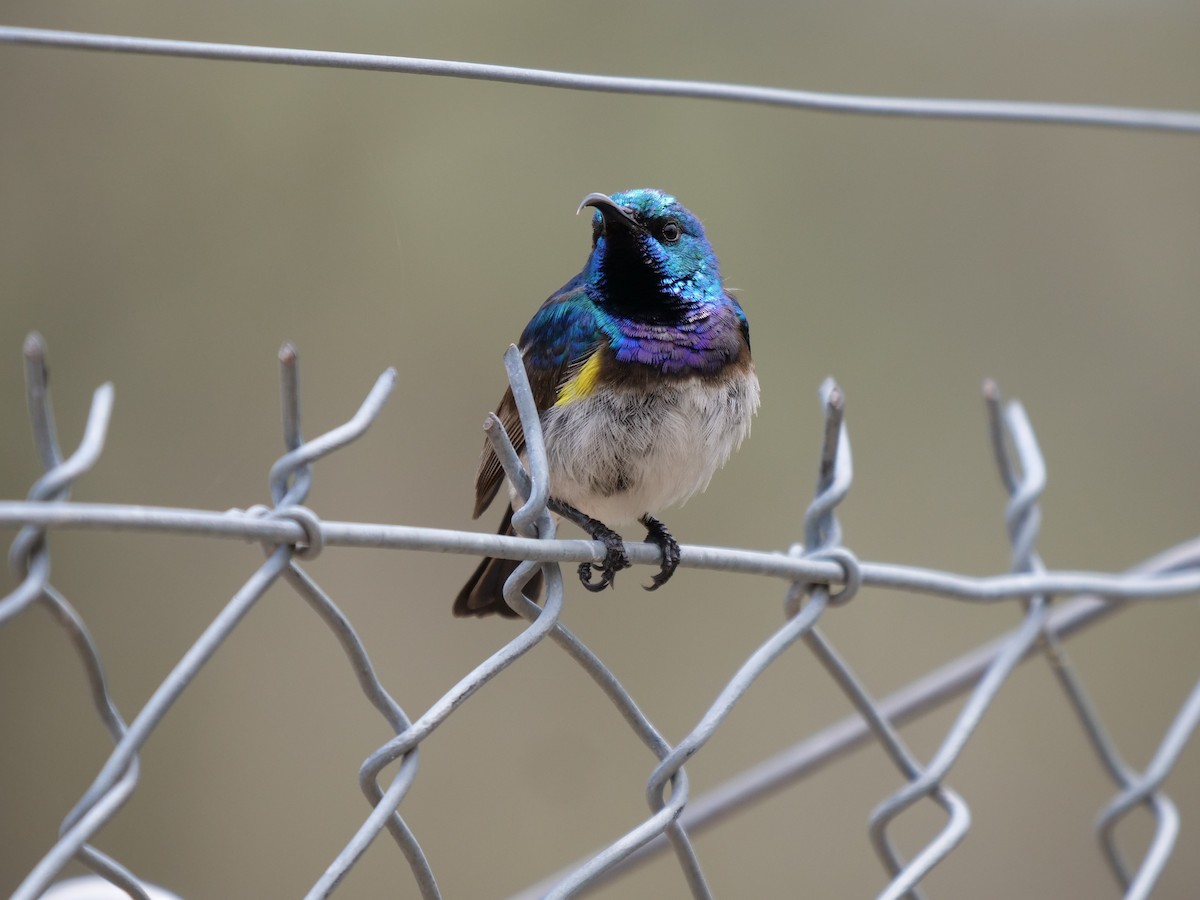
924,107
820,574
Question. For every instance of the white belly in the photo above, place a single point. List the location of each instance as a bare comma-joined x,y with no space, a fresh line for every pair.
618,454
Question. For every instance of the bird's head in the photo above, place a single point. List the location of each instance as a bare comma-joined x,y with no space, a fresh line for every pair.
650,256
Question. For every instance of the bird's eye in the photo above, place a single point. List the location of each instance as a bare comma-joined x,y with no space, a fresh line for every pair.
671,232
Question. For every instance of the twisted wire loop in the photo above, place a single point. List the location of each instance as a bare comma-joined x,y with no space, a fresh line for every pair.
1023,520
823,541
290,481
1136,788
822,531
29,558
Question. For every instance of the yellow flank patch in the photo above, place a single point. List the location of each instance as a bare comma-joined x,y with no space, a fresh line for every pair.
581,384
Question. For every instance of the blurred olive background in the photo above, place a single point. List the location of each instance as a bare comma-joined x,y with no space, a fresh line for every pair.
167,223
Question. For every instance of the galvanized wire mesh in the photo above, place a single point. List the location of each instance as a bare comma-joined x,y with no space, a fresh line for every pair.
820,573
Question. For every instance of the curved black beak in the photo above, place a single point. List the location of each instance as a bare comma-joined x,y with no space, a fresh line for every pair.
613,212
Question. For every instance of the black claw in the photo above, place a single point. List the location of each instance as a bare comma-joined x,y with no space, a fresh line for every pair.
615,558
656,533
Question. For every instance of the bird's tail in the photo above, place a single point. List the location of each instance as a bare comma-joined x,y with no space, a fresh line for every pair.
483,594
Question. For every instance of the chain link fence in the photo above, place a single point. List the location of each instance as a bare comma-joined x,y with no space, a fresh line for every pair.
817,576
821,574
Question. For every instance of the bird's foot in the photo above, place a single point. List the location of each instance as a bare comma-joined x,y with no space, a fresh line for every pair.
615,558
656,533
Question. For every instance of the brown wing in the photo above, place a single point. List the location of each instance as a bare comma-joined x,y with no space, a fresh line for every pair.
545,384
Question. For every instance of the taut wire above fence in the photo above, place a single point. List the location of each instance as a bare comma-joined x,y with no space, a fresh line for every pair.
924,107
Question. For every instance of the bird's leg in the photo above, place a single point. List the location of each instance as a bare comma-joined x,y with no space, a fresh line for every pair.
615,558
656,533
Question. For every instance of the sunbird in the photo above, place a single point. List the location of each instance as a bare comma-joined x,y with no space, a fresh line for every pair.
640,368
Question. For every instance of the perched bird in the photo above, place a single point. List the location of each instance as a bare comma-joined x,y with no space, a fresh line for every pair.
640,368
